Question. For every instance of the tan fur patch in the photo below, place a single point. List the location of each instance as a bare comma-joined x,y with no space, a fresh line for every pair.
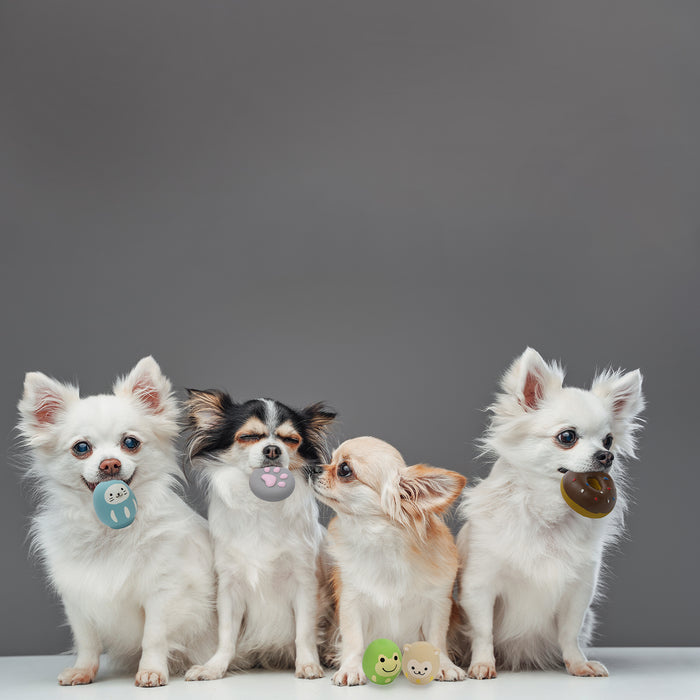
253,426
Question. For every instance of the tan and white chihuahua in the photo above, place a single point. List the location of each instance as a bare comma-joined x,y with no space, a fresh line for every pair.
393,561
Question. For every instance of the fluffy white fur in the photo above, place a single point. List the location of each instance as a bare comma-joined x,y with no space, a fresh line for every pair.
266,558
393,559
530,564
145,589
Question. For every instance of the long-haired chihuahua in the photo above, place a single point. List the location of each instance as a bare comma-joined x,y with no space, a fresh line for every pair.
146,590
393,560
530,563
266,553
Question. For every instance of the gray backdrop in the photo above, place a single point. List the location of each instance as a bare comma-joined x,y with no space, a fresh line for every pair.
375,203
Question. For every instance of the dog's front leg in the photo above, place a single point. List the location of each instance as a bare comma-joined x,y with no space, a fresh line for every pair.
230,608
307,663
153,666
437,624
478,599
87,645
570,619
352,641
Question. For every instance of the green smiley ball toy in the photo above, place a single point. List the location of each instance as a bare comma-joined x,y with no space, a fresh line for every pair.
382,661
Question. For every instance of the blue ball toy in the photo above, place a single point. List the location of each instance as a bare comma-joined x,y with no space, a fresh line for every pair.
114,503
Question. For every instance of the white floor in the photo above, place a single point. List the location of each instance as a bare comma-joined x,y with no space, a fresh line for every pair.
655,673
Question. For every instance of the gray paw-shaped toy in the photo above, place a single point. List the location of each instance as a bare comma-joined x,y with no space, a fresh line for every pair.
272,483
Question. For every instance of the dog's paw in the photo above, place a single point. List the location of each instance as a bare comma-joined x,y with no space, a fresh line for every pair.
204,673
450,672
350,675
150,679
77,676
586,668
482,669
308,670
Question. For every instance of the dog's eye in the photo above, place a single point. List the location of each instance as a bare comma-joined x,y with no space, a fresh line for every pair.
344,470
608,441
250,437
291,440
130,442
81,448
567,438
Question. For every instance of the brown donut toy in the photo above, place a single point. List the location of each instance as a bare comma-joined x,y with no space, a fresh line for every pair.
591,494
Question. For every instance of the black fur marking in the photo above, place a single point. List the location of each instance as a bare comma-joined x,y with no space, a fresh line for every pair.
217,435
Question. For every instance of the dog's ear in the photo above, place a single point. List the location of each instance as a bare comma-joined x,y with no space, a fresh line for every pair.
43,402
317,419
149,386
622,390
206,416
424,489
530,379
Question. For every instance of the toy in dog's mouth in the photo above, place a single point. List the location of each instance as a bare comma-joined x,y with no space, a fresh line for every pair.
92,486
591,494
270,482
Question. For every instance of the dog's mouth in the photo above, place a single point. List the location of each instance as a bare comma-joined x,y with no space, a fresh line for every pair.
92,486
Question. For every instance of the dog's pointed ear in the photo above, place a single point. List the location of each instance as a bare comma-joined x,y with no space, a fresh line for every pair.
317,419
530,379
206,416
148,385
43,402
319,416
623,390
424,489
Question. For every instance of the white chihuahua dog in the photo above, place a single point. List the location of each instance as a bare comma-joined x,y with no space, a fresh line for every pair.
530,563
147,588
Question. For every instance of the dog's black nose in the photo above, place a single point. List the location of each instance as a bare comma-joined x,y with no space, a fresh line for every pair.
313,470
271,451
604,458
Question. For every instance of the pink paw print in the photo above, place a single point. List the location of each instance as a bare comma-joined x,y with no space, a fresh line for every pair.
271,476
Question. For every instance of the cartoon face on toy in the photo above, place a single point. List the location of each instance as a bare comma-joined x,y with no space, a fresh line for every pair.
382,661
115,504
116,493
421,661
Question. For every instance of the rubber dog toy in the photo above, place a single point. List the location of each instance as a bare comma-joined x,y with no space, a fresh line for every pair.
421,661
271,483
114,503
591,494
382,661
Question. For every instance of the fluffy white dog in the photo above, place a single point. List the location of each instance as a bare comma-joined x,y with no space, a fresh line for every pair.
530,564
147,588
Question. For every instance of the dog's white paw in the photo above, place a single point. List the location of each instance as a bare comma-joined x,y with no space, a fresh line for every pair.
77,676
450,672
350,675
308,670
482,669
586,668
204,673
147,678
